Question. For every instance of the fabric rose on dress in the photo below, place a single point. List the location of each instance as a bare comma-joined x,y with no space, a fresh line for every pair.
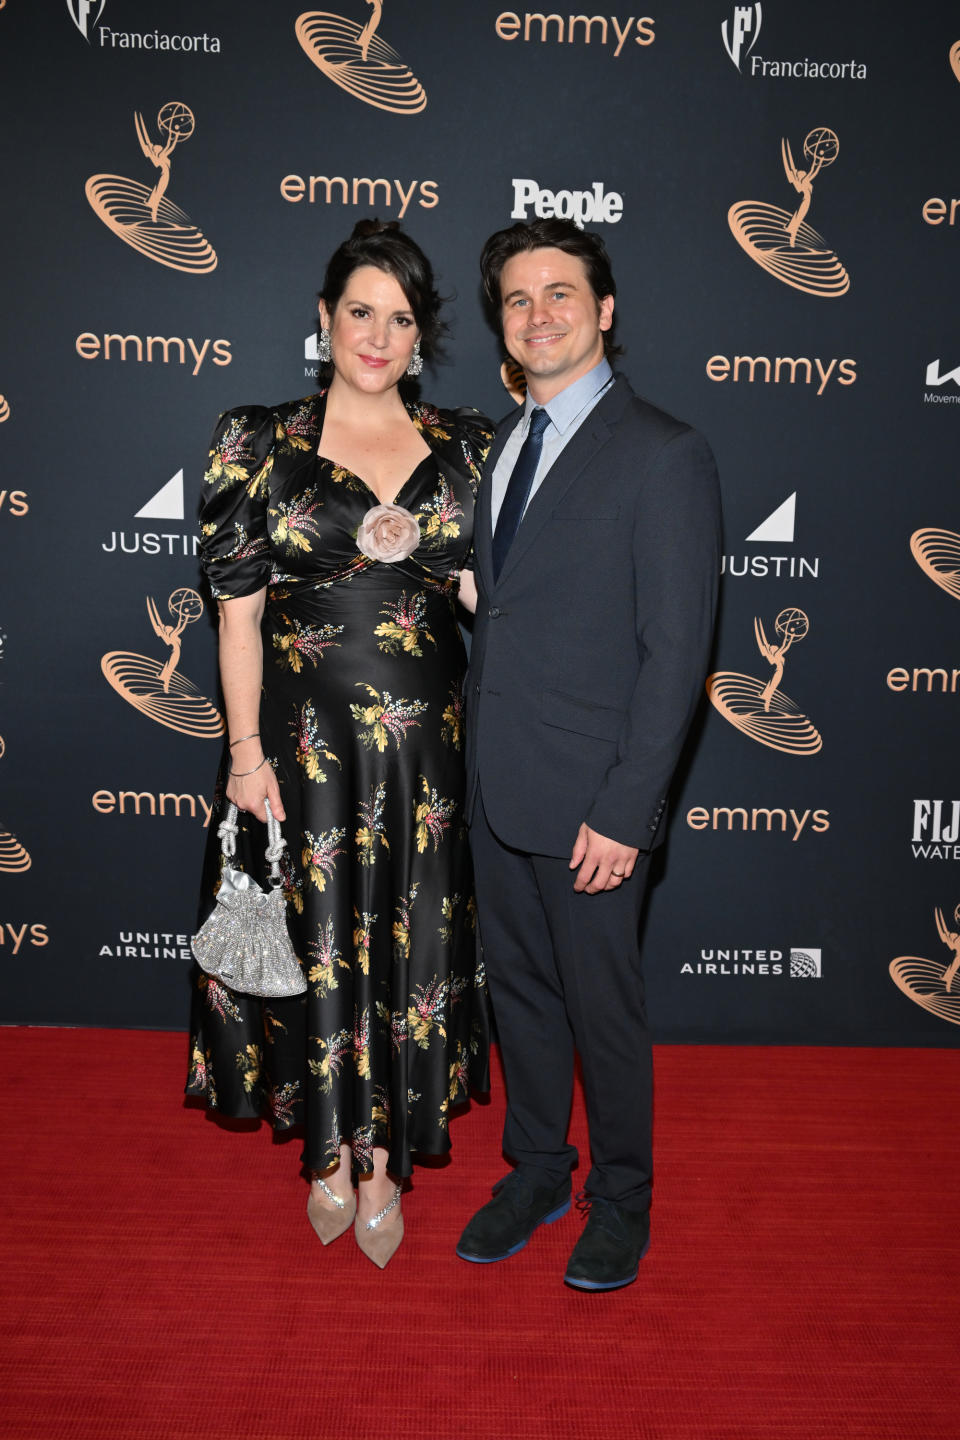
388,533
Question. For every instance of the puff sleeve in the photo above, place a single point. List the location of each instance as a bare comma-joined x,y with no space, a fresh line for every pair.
475,433
234,548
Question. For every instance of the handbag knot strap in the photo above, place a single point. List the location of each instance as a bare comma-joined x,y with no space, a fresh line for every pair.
276,845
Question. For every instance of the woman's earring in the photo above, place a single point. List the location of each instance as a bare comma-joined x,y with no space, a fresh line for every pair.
416,361
324,354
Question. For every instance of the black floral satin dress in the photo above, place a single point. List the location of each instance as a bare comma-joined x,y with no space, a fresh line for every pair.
362,719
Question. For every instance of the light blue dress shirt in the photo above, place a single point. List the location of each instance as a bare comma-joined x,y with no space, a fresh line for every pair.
567,412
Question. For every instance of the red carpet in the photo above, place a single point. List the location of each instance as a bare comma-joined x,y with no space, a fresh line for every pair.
160,1279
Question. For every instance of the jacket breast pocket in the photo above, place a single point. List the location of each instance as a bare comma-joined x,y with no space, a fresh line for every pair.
583,717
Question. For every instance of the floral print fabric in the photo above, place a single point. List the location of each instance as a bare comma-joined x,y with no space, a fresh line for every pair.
362,719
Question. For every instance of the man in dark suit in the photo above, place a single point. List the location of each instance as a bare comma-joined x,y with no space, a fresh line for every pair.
597,544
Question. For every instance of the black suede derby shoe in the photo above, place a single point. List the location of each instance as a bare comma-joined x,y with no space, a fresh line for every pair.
504,1225
613,1243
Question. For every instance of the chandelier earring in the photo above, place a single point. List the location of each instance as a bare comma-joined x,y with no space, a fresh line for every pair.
416,362
324,353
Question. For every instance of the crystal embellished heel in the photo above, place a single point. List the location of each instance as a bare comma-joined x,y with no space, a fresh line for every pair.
380,1245
330,1223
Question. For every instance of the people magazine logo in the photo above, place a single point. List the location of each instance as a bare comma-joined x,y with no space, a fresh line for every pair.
937,552
86,15
934,984
777,529
761,709
359,60
596,206
158,690
798,963
780,241
740,34
143,217
166,504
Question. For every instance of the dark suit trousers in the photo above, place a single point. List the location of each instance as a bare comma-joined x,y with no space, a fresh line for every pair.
564,975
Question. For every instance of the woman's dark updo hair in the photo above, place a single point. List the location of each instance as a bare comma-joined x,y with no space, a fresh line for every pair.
384,245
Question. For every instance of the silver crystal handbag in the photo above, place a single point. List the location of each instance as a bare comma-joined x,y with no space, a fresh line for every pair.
245,942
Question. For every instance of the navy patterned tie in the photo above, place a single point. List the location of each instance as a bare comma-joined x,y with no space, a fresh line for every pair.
518,488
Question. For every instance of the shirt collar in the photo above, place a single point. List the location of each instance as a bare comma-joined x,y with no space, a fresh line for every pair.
565,407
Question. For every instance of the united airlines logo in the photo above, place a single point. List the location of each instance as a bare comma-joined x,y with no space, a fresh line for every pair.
85,14
747,20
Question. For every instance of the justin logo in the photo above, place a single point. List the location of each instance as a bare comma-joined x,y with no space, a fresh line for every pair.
4,409
955,58
931,983
747,20
937,552
763,711
13,856
146,219
85,14
359,61
785,244
158,691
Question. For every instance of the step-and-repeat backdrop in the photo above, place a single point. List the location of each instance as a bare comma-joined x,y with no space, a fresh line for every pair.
779,190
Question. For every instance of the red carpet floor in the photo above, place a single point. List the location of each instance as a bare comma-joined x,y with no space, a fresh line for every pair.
158,1277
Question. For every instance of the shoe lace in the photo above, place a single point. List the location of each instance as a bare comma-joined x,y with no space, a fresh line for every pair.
599,1212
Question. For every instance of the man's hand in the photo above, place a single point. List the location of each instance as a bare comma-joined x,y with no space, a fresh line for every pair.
603,863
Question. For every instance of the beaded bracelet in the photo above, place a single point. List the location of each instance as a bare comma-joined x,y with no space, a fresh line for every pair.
242,774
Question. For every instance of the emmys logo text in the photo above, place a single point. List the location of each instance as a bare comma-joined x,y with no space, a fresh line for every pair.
781,370
148,945
936,378
337,188
583,207
936,830
742,31
760,819
153,349
145,802
802,964
13,936
575,29
935,211
14,502
923,680
777,529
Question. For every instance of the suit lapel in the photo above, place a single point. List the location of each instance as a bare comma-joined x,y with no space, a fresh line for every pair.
582,449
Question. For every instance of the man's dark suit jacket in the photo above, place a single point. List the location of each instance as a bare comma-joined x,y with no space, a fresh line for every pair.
590,652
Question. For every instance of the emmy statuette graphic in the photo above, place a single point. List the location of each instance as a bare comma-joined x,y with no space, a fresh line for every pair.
763,711
359,61
783,243
158,690
933,985
937,552
13,857
144,218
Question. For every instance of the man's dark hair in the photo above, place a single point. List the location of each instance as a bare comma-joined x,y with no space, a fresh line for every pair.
384,245
553,235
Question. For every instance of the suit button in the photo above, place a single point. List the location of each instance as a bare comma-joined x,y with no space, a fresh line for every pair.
494,613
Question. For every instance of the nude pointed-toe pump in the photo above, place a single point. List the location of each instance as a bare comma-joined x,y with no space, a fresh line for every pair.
330,1223
380,1245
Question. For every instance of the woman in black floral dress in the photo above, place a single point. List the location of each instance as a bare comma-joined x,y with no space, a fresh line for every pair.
334,533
